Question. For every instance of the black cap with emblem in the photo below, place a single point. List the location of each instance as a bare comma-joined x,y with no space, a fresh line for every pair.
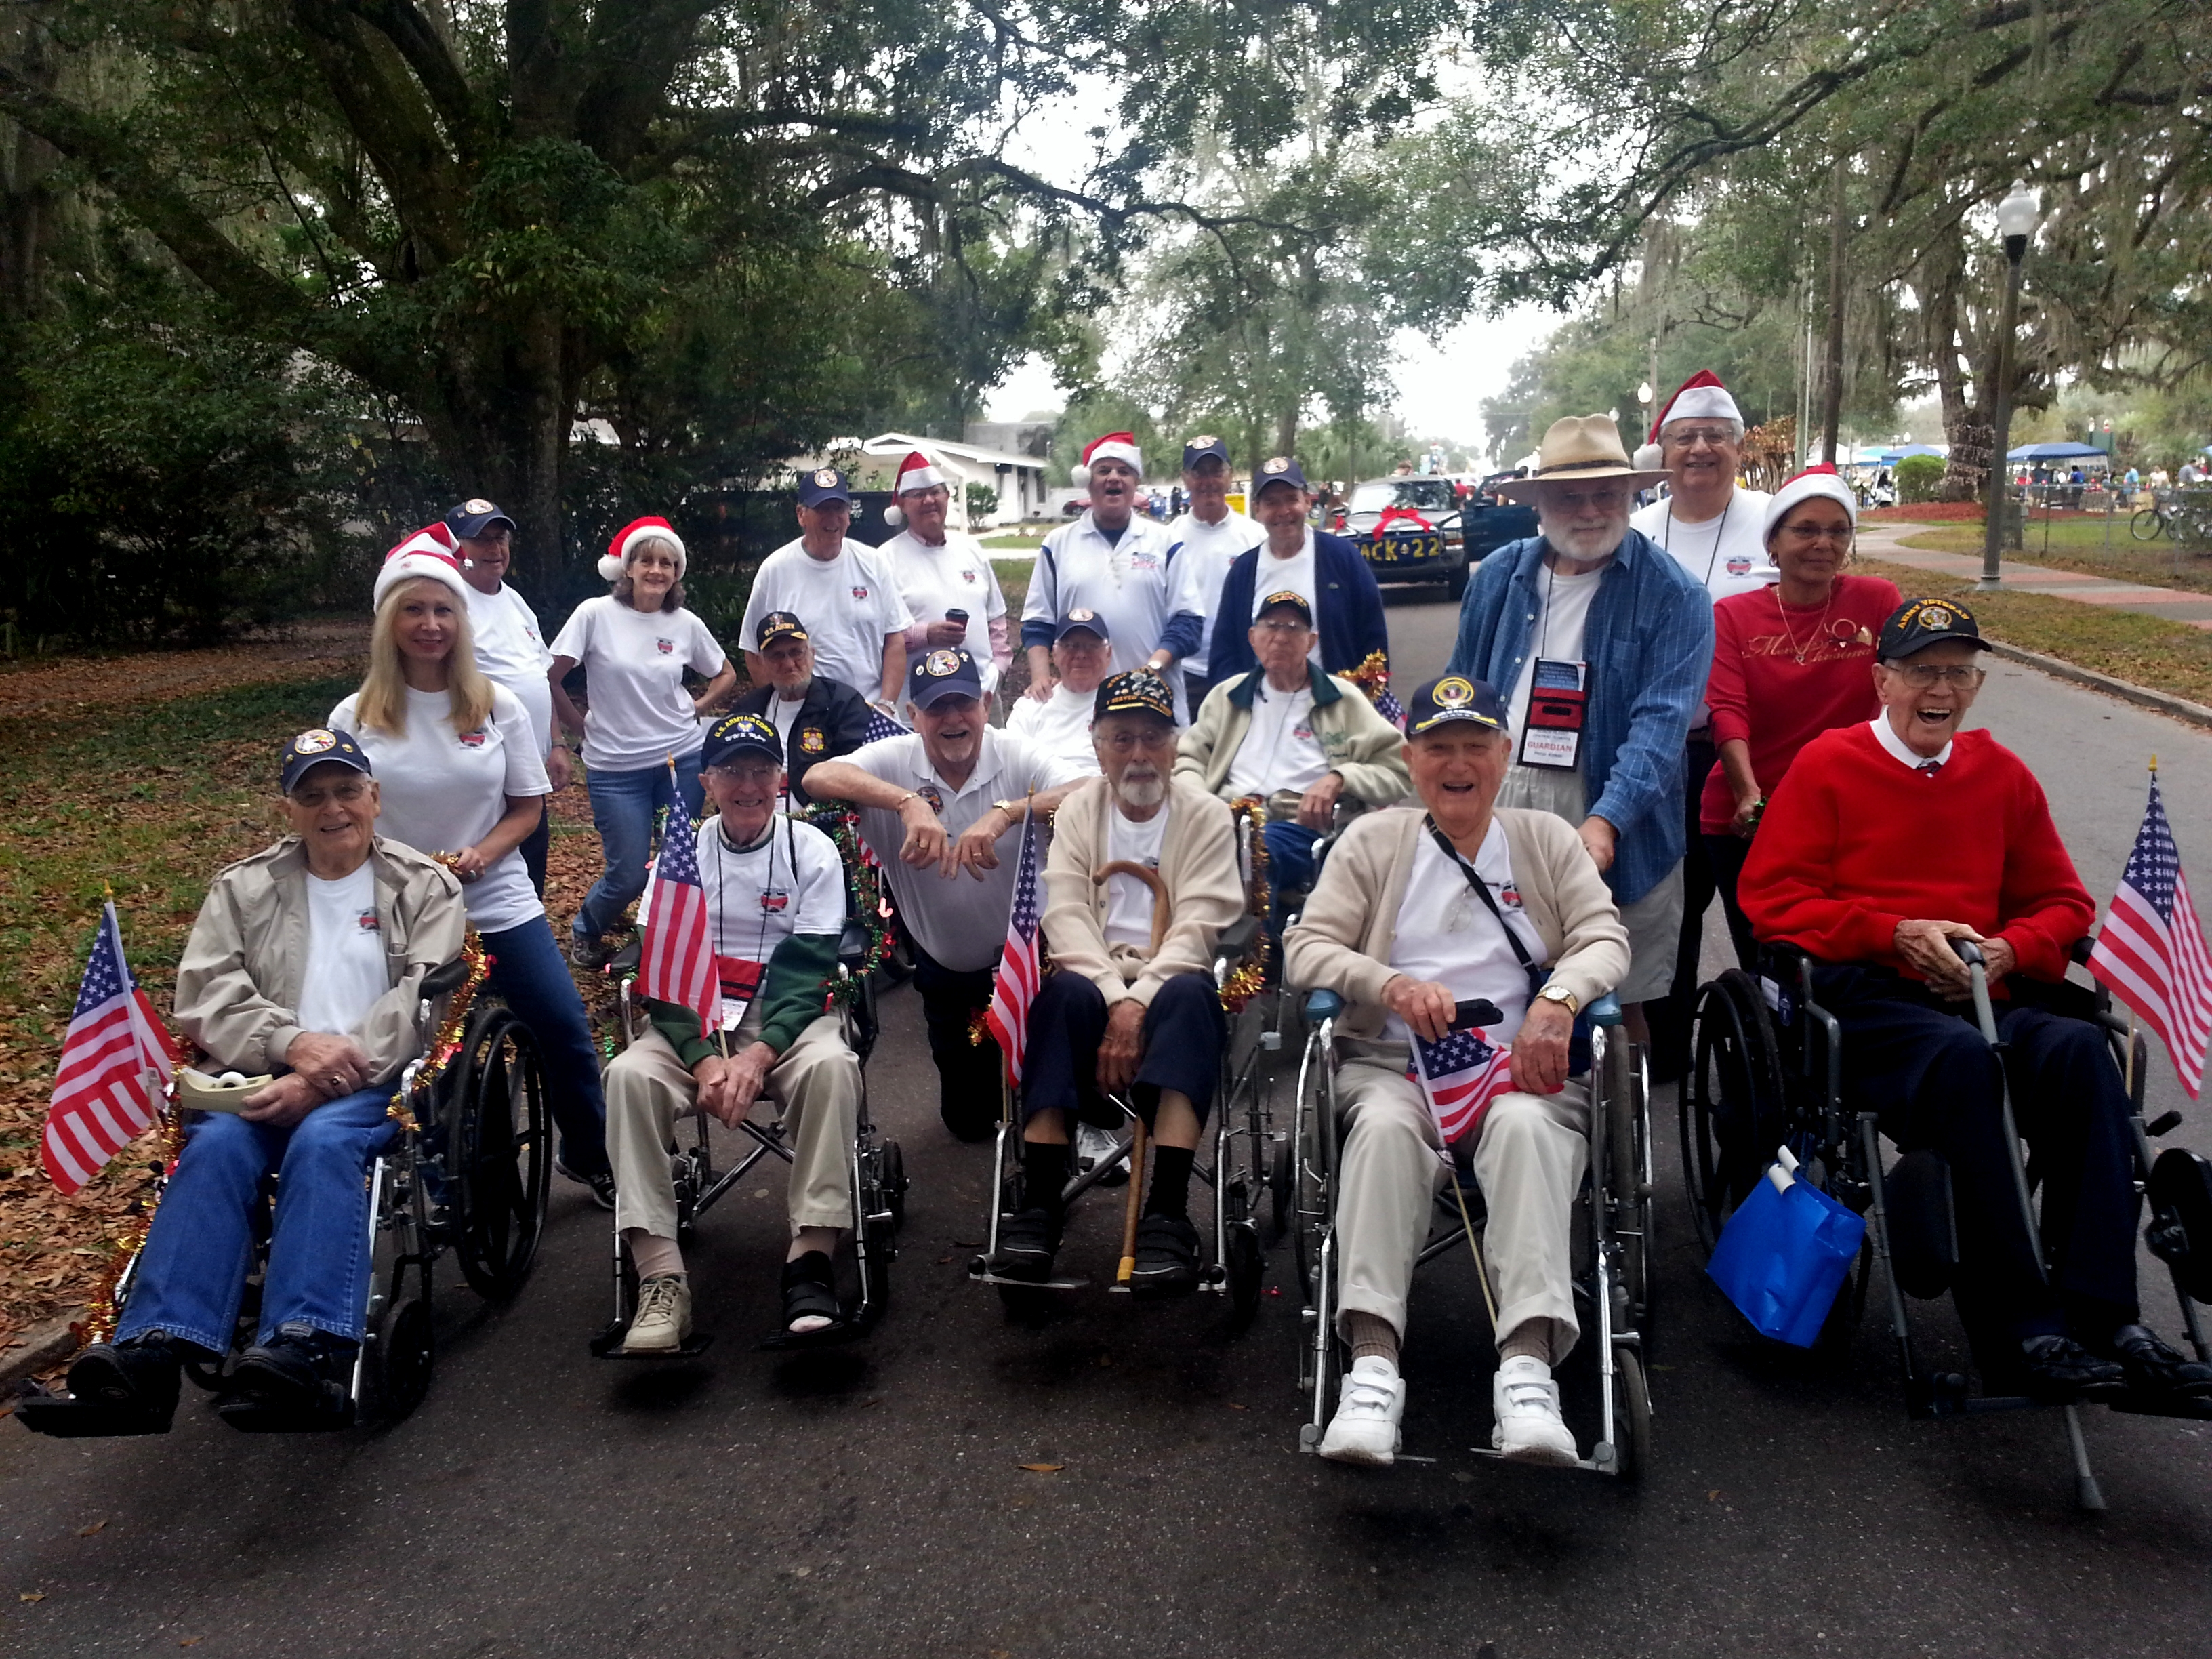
1138,691
1279,470
311,748
1286,599
1079,619
1200,448
1918,624
780,625
943,673
1453,698
740,734
822,484
472,517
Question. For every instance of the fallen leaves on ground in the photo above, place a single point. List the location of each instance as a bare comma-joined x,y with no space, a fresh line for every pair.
1042,1468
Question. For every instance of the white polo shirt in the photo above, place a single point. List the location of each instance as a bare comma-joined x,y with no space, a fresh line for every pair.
959,920
848,605
954,575
1210,549
1131,583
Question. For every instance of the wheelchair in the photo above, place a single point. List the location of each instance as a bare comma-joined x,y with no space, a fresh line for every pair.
1611,1246
469,1173
1766,1073
876,1174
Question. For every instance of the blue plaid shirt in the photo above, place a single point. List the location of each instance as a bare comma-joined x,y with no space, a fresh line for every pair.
1650,644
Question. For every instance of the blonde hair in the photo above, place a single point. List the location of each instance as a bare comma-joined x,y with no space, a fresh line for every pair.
380,705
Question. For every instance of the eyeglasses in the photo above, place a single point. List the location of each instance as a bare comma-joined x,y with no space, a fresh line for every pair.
1577,500
1922,675
1806,534
1282,627
1127,743
347,793
1689,437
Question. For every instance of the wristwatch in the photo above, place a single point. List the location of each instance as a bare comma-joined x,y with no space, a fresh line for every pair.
1012,809
1560,994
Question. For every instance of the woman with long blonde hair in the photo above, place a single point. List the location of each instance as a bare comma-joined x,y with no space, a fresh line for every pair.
458,763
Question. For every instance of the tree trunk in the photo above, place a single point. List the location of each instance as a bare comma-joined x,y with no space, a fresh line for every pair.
1832,397
26,198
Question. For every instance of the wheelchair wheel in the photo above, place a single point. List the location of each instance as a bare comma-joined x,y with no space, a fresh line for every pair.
1627,1159
1731,1099
1282,1187
891,1171
400,1356
1631,1416
503,1153
1241,1256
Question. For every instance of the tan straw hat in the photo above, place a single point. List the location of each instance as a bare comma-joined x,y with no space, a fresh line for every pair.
1578,447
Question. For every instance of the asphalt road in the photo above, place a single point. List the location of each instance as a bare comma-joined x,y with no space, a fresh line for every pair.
871,1502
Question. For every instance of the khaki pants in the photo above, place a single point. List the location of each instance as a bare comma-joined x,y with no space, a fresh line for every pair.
1529,1158
817,1084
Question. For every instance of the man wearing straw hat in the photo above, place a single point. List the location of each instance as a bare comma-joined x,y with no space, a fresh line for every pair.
1601,644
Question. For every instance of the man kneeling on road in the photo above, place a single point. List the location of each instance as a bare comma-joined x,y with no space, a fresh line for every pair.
775,890
1885,842
1298,739
1415,913
306,961
1131,1003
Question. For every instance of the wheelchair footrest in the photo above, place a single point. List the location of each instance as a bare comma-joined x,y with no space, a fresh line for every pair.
66,1418
608,1345
982,1275
829,1336
251,1417
2195,1408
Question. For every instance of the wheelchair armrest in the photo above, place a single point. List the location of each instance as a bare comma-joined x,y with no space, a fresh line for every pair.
1322,1005
1606,1011
2082,946
446,978
1237,939
624,962
853,945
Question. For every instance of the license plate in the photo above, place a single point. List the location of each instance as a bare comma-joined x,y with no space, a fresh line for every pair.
1404,550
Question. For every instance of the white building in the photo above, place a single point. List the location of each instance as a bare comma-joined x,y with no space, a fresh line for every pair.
1019,479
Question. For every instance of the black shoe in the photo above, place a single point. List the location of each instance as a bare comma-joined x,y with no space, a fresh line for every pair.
300,1369
1167,1257
1027,1241
809,1292
2057,1369
2148,1364
141,1374
602,1185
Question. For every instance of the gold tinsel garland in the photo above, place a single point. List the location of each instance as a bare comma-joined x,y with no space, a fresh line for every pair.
1372,676
447,1041
865,879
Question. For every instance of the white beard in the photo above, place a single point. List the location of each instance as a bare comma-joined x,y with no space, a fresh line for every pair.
1144,792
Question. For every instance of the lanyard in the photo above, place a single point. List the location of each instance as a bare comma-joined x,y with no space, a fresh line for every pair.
1719,531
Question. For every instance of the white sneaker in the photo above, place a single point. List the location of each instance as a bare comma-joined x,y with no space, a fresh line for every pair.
1526,1403
663,1318
1365,1427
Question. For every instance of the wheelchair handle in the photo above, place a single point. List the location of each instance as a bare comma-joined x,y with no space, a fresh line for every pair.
1323,1004
1606,1011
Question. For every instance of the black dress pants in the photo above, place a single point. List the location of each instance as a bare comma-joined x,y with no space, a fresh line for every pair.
968,1072
1183,1035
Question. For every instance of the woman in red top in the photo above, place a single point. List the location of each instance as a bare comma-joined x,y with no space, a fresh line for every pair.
1789,662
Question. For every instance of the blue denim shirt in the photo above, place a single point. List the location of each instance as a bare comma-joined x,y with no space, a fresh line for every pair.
1650,644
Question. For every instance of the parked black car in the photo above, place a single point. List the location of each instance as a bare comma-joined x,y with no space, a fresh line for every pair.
1422,542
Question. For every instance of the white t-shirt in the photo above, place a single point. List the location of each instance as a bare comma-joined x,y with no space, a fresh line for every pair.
441,792
640,713
1060,724
1279,750
512,651
345,970
781,712
1131,583
955,575
848,605
1557,633
1210,549
1726,554
959,920
1445,934
1129,903
1293,575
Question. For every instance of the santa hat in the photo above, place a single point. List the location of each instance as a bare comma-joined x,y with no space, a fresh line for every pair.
1114,447
1822,480
618,549
431,551
1701,395
916,472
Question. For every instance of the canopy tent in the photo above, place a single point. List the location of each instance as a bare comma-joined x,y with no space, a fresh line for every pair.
1903,450
2058,452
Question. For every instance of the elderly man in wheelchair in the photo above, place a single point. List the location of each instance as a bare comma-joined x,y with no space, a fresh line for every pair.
306,972
1415,914
1895,854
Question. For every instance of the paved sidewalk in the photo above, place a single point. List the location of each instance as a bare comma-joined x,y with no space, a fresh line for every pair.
1886,541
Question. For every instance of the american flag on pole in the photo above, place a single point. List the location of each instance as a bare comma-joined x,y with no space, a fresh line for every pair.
2150,951
116,1060
1021,969
678,963
1462,1075
881,725
1390,709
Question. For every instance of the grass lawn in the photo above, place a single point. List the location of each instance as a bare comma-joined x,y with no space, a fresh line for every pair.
2079,544
1014,582
2141,650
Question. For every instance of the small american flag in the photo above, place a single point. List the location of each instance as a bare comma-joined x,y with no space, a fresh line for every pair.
1020,971
116,1060
2150,951
881,725
1462,1075
1390,709
678,963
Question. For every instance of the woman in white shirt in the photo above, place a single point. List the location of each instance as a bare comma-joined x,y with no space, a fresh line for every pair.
456,761
633,646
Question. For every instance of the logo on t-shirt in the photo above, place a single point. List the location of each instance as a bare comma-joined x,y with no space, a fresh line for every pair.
1143,561
472,740
368,920
775,898
860,592
667,647
1739,565
967,575
1303,732
1510,896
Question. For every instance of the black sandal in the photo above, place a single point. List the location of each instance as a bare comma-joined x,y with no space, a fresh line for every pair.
809,1292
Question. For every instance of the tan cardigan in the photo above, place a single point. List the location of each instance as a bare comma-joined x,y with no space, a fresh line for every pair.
1198,864
1342,943
1361,747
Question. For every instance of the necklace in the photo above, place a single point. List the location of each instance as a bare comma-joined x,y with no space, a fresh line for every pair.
1819,628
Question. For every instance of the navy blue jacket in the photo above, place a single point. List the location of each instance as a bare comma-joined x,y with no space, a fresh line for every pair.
1351,620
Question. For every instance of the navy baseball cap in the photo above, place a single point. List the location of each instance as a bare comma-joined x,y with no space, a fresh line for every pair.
1200,448
1918,624
475,516
1278,469
780,625
740,734
944,673
311,748
1455,697
824,484
1138,691
1289,597
1079,619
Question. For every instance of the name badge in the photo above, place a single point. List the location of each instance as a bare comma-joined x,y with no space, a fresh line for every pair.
1558,704
741,983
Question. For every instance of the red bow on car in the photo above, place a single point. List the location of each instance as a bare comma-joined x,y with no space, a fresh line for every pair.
1411,520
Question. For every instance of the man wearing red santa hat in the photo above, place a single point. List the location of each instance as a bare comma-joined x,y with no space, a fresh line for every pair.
1121,568
950,589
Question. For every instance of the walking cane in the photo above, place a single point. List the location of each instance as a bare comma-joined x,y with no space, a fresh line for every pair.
1162,914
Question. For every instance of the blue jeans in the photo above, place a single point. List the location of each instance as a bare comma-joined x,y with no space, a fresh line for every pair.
1289,867
622,805
201,1245
528,971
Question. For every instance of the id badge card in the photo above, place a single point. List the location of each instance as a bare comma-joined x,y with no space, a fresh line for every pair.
741,983
1558,704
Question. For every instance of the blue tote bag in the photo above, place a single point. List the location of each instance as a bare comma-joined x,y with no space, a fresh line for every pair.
1783,1254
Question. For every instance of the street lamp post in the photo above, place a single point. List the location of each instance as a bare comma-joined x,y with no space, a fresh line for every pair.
2016,217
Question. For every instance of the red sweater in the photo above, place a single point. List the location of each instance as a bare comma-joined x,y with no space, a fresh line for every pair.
1761,693
1856,842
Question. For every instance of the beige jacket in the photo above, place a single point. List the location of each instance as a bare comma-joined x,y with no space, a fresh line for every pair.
1198,864
1342,943
1360,746
239,982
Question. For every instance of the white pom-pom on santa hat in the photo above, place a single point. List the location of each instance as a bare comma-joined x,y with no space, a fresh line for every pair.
619,551
431,552
916,472
1649,457
1114,447
1701,395
1815,481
